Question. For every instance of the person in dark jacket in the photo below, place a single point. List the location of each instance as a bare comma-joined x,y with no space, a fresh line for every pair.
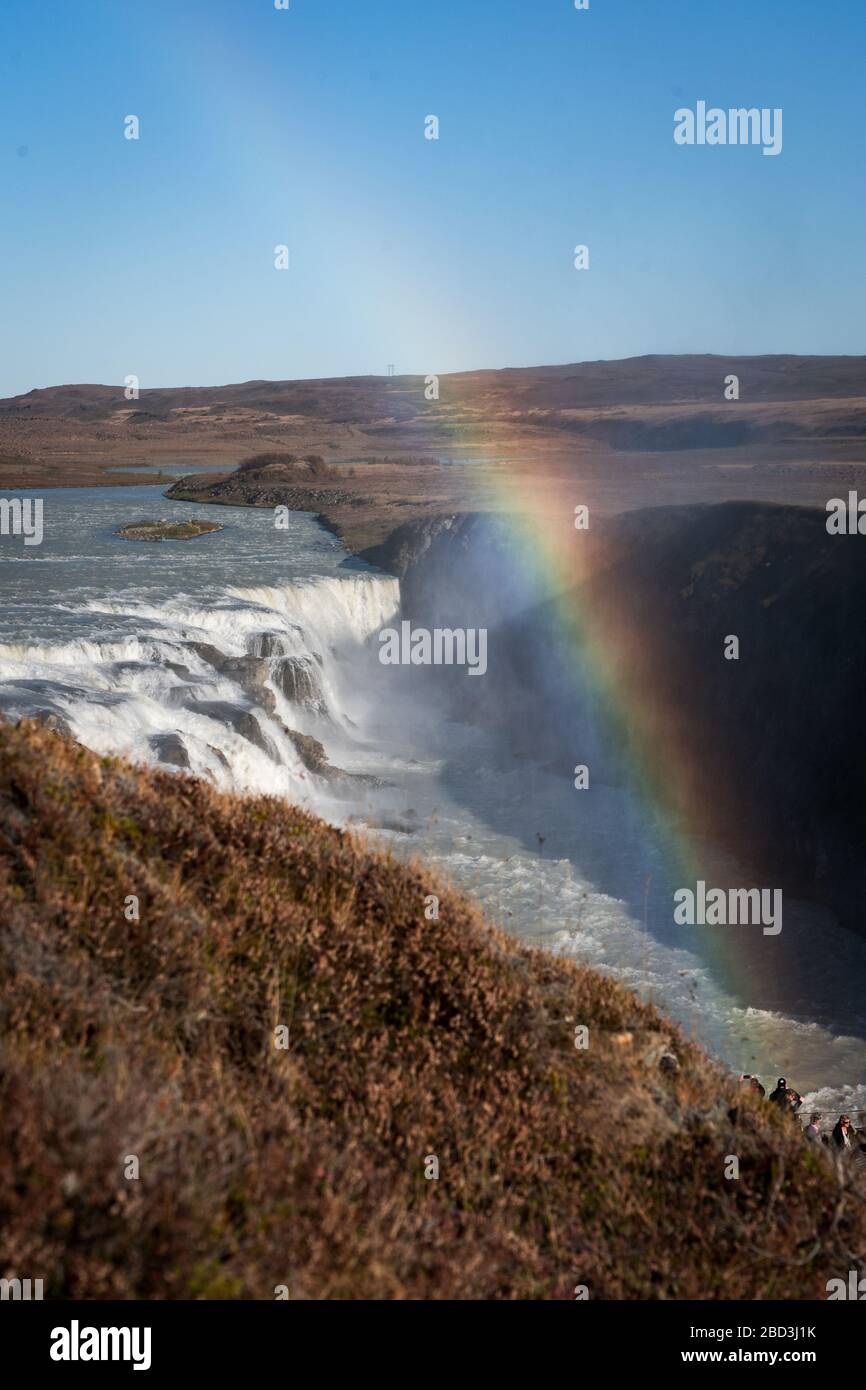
780,1095
841,1133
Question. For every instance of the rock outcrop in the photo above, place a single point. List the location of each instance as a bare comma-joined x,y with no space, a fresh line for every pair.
766,752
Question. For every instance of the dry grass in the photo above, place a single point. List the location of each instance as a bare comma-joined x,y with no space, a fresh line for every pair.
305,1166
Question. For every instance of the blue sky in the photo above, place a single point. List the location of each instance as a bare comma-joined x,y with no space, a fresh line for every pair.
306,127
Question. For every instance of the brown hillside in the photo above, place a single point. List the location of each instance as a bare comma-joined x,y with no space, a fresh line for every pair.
305,1167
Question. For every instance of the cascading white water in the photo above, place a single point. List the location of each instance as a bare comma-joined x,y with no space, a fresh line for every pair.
189,689
335,609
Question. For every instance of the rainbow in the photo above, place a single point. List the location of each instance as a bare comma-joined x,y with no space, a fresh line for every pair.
537,511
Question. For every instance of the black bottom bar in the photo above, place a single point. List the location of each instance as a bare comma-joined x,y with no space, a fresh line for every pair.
246,1339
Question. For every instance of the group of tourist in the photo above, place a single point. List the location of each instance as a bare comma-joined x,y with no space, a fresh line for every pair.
843,1137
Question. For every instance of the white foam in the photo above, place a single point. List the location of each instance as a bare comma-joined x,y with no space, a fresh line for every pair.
119,694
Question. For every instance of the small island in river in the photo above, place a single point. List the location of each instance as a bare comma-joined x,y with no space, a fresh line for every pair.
167,530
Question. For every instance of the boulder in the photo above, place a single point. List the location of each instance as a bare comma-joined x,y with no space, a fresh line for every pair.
243,721
268,644
311,752
170,748
251,673
209,654
298,679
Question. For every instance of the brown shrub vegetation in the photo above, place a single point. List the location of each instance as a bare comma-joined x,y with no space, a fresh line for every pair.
311,465
305,1166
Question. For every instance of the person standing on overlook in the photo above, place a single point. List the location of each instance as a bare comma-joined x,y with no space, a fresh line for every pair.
841,1133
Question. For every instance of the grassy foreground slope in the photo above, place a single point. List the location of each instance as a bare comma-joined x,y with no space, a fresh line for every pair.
304,1167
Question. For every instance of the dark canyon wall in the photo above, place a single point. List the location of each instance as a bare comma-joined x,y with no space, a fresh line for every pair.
626,669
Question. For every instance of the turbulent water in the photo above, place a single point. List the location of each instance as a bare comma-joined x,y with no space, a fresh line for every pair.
138,647
206,654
